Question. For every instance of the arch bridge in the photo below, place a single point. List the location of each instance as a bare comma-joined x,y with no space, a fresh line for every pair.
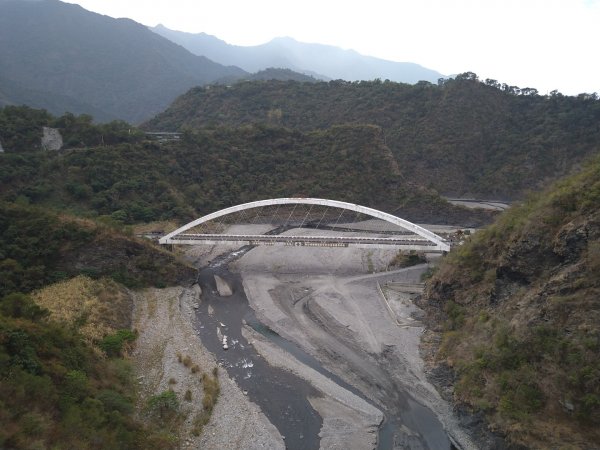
310,222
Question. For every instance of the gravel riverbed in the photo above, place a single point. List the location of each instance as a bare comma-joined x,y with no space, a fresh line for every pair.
327,302
163,318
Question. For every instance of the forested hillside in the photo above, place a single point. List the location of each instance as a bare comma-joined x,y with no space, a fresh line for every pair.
519,311
462,137
64,246
39,248
63,382
137,180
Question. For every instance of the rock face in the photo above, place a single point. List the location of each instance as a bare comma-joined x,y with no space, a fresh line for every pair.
52,139
1,149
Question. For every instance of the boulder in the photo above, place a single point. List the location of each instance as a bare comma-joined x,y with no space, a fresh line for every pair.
222,286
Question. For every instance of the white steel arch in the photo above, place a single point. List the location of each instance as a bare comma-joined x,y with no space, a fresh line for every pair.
440,244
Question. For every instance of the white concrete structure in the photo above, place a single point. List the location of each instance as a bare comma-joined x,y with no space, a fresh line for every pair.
429,242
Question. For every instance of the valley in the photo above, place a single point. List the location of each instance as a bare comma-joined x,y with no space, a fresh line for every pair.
317,315
114,134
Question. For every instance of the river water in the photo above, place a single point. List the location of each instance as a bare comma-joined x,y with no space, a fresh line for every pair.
281,395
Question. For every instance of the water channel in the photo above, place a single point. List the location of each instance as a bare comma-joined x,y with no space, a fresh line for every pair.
281,395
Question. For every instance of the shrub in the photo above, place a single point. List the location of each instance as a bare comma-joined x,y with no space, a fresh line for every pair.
75,386
114,401
113,344
456,315
208,402
164,404
21,305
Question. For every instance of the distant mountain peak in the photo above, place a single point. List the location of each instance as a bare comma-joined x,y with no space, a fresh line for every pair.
320,60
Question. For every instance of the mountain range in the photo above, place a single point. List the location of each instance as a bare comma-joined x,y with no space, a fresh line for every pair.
61,57
325,62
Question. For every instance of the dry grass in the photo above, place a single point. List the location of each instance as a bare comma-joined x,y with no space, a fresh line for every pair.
211,388
96,307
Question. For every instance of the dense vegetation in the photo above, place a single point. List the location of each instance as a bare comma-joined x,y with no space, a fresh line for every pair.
270,73
461,137
38,248
518,303
21,130
57,390
139,181
519,308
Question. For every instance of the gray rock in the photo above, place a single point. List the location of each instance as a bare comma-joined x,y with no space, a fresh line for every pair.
222,286
52,139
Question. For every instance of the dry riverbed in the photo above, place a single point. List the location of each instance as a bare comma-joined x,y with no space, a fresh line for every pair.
329,303
339,305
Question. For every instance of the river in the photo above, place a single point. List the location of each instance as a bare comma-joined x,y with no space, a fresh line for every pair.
283,396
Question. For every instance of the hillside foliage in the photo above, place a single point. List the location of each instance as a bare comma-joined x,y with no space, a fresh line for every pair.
517,305
58,389
519,310
40,248
21,130
135,180
460,137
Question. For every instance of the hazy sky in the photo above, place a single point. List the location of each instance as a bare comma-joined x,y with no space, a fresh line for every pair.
545,44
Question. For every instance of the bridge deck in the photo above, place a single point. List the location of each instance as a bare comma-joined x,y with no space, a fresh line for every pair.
309,241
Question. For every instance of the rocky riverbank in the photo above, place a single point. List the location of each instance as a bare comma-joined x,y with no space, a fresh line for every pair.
163,318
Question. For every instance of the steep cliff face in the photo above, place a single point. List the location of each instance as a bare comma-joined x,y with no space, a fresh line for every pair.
518,310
